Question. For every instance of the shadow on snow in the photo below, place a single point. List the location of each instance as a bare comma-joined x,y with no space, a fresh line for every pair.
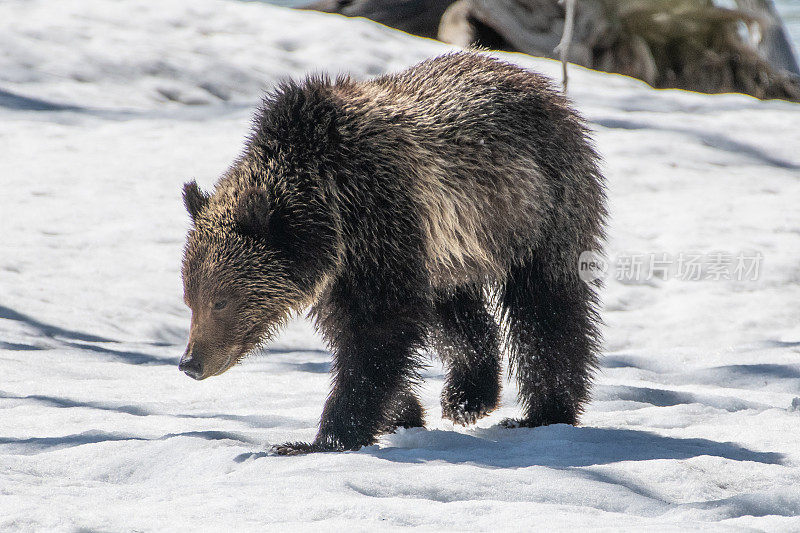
132,358
78,339
554,446
720,142
36,445
255,421
18,102
49,330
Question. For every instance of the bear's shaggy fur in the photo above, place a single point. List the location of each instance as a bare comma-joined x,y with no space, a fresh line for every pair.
407,211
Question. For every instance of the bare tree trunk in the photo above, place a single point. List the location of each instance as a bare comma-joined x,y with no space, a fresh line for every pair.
566,40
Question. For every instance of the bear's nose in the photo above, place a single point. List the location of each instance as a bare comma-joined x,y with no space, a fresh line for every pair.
191,366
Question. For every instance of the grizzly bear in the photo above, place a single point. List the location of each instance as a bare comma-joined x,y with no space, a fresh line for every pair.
437,207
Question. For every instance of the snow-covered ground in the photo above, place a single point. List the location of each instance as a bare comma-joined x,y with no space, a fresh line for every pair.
106,108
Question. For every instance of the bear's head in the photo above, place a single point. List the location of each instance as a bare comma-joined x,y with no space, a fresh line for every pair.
251,259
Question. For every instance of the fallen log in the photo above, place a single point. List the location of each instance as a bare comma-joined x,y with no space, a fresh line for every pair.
686,44
420,17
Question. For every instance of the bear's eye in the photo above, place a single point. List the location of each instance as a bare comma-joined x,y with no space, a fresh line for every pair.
220,304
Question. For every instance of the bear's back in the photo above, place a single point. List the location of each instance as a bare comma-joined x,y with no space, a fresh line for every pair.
465,136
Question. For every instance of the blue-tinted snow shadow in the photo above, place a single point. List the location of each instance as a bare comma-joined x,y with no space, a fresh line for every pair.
720,142
287,359
647,396
34,445
323,367
253,421
81,340
49,330
127,356
17,347
759,370
720,374
557,446
19,102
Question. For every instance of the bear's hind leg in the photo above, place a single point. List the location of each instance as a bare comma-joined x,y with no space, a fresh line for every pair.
467,341
553,337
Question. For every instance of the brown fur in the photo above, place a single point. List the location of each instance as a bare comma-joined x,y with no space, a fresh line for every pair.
393,206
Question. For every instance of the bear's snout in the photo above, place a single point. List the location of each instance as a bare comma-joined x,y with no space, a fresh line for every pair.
191,366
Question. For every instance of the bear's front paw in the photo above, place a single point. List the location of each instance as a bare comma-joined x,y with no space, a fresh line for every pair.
465,402
464,413
298,448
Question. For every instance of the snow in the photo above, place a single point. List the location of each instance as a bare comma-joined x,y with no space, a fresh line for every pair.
107,108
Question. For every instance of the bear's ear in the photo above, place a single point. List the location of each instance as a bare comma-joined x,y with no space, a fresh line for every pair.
257,216
194,199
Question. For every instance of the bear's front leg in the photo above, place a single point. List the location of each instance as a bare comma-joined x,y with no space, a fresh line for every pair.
375,340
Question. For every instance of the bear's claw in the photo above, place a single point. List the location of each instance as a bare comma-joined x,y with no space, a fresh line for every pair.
298,448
